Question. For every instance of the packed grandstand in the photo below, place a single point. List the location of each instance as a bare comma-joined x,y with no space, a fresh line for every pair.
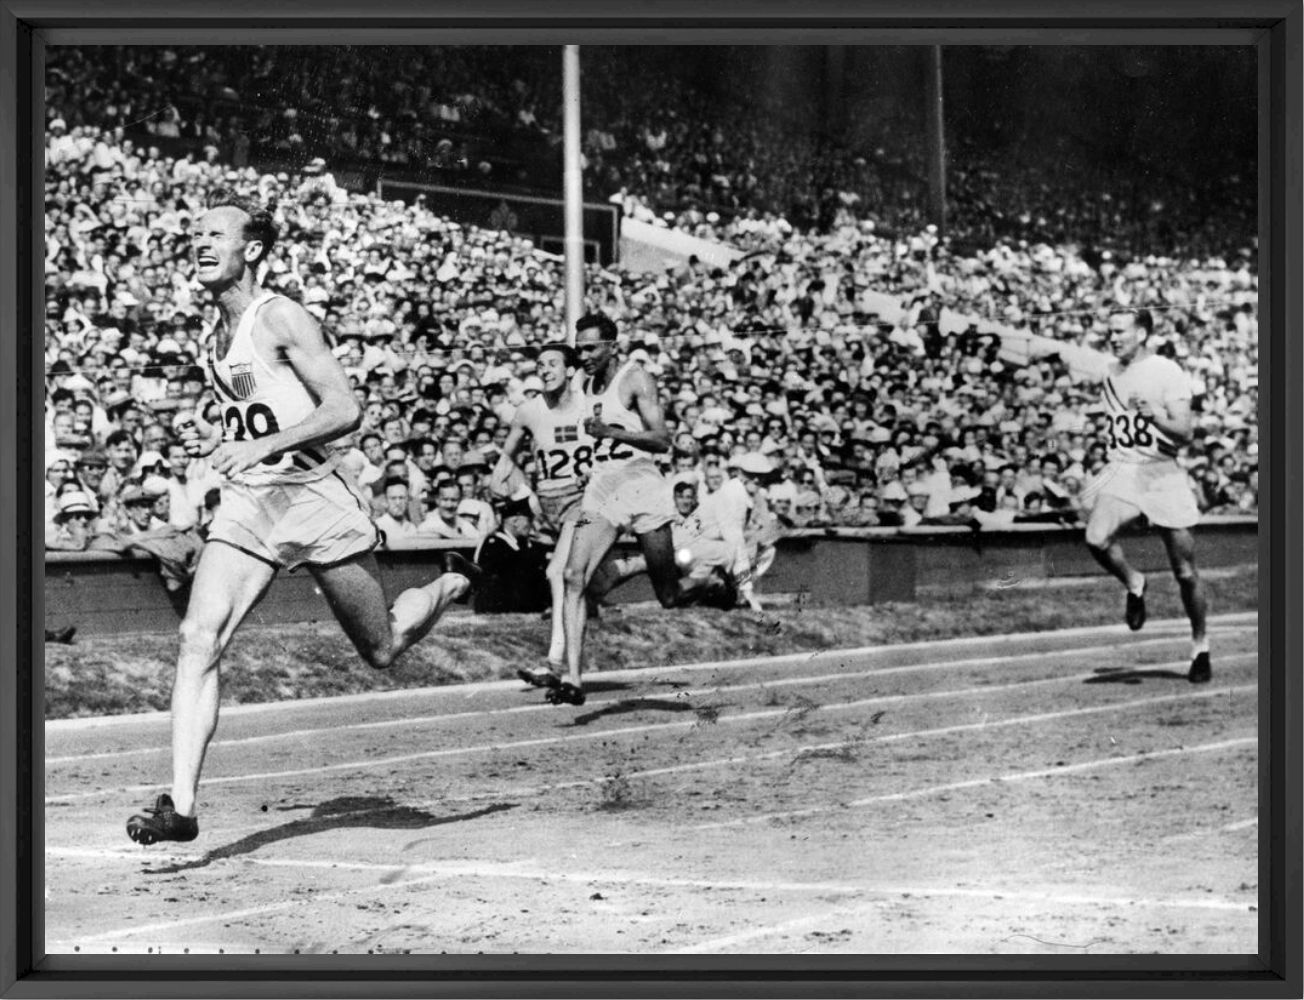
881,365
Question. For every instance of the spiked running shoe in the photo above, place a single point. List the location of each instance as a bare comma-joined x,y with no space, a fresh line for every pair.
565,693
539,678
1201,672
1136,608
162,822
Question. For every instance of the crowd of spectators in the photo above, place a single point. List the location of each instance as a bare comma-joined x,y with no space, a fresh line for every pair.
669,146
866,419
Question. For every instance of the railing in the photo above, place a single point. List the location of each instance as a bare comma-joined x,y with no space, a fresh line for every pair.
102,593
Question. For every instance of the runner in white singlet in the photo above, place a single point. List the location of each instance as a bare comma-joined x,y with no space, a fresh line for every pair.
1147,403
626,491
563,459
283,397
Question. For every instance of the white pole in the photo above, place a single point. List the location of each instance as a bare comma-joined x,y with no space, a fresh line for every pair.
574,191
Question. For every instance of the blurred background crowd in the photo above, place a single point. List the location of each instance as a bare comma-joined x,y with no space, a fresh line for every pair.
866,417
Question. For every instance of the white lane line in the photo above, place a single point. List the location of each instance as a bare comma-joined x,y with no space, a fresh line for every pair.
991,781
746,717
395,877
1200,834
835,914
224,833
925,667
1217,623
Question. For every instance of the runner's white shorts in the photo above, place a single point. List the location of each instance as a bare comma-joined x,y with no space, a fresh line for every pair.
561,507
288,524
1160,490
634,497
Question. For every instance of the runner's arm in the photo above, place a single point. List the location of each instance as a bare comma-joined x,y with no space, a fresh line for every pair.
656,438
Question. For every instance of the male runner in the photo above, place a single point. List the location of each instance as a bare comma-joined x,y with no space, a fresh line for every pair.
283,398
1147,400
563,458
626,491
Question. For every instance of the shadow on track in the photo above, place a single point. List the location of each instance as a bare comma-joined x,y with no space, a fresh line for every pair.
634,705
337,814
1127,675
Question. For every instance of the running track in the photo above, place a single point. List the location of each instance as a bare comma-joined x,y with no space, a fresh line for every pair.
1056,792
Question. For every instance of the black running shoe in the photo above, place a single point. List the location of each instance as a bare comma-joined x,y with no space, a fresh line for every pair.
1136,608
162,822
1201,672
538,678
565,693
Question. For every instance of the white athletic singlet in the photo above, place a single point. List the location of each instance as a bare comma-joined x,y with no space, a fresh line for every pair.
258,399
563,451
607,407
1133,437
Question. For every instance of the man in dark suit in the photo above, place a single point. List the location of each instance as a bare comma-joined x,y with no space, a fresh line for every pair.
510,565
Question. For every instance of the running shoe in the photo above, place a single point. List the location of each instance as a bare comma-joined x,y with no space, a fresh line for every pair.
1136,608
1201,672
543,678
162,822
565,693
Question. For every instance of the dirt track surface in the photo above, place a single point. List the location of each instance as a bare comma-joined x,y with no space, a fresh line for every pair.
1051,793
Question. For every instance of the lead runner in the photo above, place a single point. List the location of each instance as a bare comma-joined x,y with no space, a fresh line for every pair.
283,398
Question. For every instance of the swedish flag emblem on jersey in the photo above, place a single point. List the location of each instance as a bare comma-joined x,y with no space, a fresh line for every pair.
566,432
242,381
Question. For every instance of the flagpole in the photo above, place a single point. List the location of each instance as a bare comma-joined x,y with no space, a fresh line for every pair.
574,189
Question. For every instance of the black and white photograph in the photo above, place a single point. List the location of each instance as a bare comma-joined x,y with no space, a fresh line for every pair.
656,500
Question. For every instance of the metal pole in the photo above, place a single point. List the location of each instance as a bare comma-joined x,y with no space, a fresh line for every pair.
574,190
936,140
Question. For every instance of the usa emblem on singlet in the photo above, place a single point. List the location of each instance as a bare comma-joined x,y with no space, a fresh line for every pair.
242,380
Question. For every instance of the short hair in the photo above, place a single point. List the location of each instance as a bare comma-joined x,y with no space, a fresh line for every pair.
605,325
117,437
261,225
391,481
569,356
685,486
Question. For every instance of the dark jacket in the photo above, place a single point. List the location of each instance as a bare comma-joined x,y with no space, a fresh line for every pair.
514,575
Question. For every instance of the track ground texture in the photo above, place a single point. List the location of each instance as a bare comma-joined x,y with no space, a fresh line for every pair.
1062,792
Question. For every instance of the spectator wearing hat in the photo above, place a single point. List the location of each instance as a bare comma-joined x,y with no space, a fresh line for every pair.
139,503
92,466
73,522
509,571
58,472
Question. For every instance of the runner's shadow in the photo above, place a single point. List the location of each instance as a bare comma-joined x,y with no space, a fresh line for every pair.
636,705
1127,675
337,814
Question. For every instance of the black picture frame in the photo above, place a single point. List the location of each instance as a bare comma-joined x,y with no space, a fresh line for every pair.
1273,26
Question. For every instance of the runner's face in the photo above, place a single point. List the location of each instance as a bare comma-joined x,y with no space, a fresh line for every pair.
219,247
1126,337
552,369
593,350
